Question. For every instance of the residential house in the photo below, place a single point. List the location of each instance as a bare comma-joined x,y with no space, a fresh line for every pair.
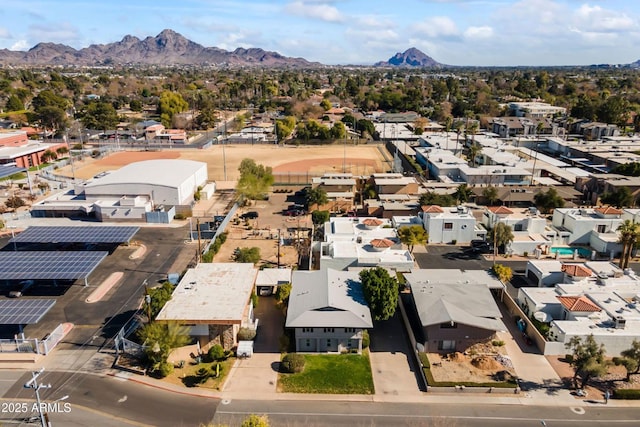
327,311
530,231
535,109
603,305
394,184
456,308
586,226
361,242
451,224
340,189
214,301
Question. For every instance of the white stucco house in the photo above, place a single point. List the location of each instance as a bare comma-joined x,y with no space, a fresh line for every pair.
586,226
451,224
530,230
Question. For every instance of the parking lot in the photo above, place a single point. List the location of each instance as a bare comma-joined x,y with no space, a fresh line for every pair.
94,323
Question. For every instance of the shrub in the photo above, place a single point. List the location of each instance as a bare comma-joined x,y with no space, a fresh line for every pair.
627,394
293,363
164,369
179,216
568,358
525,254
454,241
255,421
497,343
246,334
284,343
283,292
254,300
216,352
365,339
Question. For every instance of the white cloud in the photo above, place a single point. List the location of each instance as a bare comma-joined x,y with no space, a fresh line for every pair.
476,33
4,33
20,45
60,33
315,10
437,27
601,20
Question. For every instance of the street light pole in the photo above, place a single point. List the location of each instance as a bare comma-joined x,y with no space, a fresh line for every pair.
13,236
33,383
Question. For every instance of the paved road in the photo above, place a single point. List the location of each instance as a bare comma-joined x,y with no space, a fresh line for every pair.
317,413
114,399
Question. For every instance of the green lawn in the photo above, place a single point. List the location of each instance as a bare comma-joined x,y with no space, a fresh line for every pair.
331,374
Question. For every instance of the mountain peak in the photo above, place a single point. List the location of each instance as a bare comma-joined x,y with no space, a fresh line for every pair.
411,57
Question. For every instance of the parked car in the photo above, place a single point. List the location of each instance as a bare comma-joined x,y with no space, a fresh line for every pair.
486,248
19,290
295,212
250,215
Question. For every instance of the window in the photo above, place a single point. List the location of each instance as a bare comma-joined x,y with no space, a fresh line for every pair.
448,226
308,343
448,325
329,330
446,345
602,228
307,329
349,330
517,227
328,343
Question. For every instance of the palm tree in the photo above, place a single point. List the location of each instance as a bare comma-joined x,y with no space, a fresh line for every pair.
629,235
502,236
458,128
474,150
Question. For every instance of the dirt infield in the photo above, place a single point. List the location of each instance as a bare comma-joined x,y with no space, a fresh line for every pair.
223,161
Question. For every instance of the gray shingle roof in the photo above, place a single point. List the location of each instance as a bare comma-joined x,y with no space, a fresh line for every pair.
327,298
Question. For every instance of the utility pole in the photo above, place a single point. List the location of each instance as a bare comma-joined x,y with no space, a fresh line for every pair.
199,241
147,300
279,243
495,245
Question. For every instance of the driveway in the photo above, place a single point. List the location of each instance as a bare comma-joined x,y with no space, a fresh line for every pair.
532,368
394,373
256,377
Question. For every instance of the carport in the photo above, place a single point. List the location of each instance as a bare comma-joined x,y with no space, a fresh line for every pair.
23,312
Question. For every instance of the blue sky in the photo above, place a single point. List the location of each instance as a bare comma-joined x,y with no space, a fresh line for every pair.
457,32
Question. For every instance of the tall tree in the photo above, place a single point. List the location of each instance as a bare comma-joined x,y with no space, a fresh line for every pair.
490,194
159,339
316,196
170,104
628,236
630,359
100,115
588,360
501,235
381,292
255,180
413,235
620,198
547,201
463,193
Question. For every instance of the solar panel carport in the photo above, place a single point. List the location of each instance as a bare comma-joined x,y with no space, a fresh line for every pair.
24,312
84,234
6,171
46,265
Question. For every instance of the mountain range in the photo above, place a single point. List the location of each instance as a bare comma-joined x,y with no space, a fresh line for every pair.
170,47
166,48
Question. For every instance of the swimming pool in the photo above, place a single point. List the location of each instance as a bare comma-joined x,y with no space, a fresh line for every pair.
583,252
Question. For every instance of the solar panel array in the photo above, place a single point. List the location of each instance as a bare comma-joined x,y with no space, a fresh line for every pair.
10,170
84,234
47,265
25,311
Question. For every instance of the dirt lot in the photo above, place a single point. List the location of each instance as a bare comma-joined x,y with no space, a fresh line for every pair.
479,364
361,159
613,380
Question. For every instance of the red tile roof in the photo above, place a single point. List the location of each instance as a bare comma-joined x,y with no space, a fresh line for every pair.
381,243
372,222
576,270
581,303
432,209
500,210
609,210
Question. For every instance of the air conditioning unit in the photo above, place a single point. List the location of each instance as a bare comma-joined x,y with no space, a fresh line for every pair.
620,322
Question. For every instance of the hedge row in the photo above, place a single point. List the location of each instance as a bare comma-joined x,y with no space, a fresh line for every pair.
627,394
